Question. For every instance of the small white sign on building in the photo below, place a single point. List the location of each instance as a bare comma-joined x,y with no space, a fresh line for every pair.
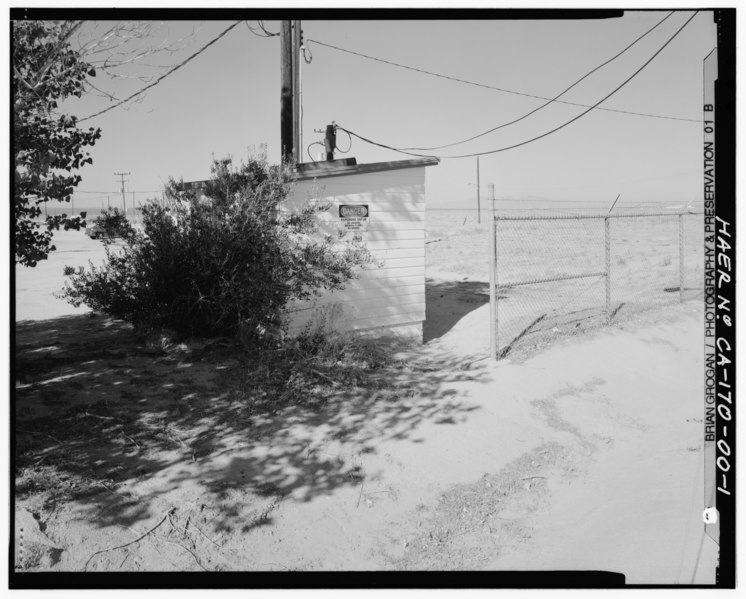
354,217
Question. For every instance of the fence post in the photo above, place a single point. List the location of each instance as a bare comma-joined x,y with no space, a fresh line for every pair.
607,243
681,257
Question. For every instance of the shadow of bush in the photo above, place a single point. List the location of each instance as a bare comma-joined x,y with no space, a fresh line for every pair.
96,408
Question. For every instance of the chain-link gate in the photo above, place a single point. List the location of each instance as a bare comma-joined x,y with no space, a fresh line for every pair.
559,275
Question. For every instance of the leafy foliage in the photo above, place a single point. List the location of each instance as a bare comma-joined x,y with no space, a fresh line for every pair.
114,223
48,147
225,264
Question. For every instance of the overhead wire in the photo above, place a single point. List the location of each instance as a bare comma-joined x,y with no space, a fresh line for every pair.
547,133
308,149
336,147
119,192
162,77
307,54
562,93
89,199
264,29
264,33
495,88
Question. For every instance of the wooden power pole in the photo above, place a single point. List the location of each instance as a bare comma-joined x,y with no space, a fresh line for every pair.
290,91
286,90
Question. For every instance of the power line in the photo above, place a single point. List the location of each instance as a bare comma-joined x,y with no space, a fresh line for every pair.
162,77
131,191
523,143
492,87
562,93
89,199
264,33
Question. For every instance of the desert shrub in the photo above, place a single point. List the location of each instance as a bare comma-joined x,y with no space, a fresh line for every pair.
224,264
114,223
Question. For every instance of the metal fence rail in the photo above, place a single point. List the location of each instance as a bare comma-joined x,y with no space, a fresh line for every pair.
514,217
554,275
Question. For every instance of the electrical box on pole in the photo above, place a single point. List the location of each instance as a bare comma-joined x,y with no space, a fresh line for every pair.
330,141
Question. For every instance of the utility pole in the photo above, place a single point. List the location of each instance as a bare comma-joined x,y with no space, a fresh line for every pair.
286,90
124,199
479,210
290,91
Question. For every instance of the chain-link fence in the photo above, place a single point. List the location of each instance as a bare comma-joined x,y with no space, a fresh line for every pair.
557,275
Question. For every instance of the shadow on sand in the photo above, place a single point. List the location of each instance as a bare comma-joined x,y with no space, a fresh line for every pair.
98,411
447,302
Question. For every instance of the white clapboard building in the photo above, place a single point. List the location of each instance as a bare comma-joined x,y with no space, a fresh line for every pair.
384,203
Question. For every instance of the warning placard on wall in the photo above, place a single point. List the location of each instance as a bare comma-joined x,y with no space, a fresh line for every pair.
354,217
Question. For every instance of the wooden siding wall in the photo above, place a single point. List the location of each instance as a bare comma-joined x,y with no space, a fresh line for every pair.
389,296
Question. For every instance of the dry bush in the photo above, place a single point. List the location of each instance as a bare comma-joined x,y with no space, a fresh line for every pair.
225,264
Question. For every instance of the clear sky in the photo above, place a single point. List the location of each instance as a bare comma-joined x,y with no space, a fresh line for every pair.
227,100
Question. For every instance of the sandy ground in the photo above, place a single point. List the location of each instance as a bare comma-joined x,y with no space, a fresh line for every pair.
35,286
585,455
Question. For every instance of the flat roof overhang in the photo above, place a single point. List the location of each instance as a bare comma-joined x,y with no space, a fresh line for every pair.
336,168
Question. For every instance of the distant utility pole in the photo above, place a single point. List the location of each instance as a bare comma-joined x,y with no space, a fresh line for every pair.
290,90
479,210
493,275
124,199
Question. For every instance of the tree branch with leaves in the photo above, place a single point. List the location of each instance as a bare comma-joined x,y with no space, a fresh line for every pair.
54,61
48,147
